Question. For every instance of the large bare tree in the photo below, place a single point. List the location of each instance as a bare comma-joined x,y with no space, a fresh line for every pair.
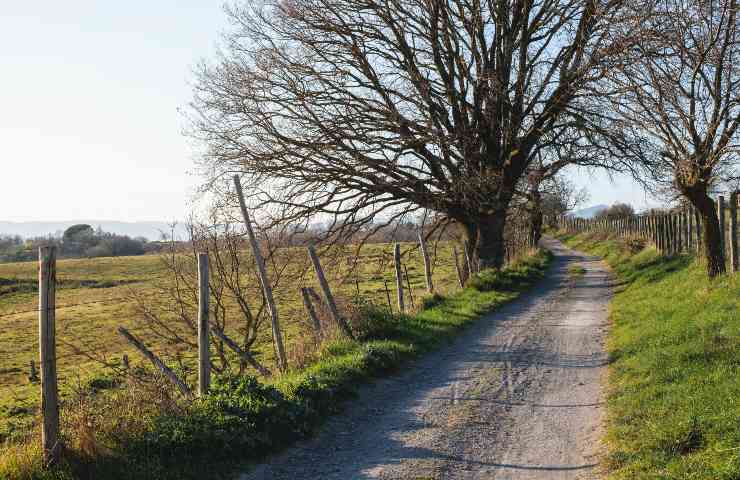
680,93
367,111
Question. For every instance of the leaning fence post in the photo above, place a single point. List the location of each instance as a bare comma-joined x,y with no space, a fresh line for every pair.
399,276
264,280
427,266
204,361
311,312
47,352
327,293
733,232
388,295
172,376
408,284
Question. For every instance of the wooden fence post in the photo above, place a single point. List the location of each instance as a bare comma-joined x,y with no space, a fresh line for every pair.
139,345
388,295
204,296
277,337
722,222
427,266
460,278
468,258
244,355
399,276
333,310
311,312
697,226
733,232
408,284
47,352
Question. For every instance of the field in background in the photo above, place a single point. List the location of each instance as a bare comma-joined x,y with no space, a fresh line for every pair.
104,286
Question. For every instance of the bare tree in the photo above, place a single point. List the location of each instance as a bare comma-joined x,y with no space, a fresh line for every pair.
364,112
680,94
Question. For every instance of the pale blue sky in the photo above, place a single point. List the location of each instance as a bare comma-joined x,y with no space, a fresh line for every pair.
89,92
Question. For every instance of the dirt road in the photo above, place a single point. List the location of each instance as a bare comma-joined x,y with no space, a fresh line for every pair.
517,396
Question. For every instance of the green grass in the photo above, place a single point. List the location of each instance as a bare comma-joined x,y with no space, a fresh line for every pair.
241,420
91,327
674,380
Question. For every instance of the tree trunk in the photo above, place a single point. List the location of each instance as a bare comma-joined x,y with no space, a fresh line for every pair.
712,241
486,236
535,227
535,210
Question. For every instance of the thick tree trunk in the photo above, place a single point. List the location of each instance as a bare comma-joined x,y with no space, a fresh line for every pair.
486,236
712,235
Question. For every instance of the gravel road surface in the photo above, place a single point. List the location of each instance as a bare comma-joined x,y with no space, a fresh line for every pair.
516,396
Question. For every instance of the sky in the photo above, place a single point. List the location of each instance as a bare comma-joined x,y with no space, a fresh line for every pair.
89,120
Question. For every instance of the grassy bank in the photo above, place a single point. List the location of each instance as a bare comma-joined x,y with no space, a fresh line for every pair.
243,419
674,381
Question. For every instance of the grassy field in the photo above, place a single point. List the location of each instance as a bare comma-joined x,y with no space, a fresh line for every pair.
674,381
135,432
104,287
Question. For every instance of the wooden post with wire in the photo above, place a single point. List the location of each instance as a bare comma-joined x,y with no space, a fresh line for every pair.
277,337
460,278
167,371
427,266
204,360
312,315
721,214
388,295
333,310
47,351
399,276
408,284
733,233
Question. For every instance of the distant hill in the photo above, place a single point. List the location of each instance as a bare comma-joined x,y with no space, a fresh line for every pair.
148,230
589,212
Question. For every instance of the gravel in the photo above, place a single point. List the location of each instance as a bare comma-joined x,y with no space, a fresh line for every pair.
516,396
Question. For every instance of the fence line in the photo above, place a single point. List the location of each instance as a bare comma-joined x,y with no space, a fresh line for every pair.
516,243
671,232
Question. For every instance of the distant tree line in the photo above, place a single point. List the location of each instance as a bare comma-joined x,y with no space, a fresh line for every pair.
78,241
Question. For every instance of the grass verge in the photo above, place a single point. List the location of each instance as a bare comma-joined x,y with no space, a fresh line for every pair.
242,419
674,383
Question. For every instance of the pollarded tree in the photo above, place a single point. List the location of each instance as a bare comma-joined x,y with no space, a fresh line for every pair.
681,94
362,110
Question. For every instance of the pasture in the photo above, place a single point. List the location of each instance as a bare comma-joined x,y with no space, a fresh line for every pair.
95,296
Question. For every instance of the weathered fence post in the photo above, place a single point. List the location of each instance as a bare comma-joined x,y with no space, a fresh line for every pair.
139,345
311,312
388,295
733,232
277,337
399,276
468,260
333,310
408,284
47,352
722,222
204,295
427,265
697,218
460,278
679,233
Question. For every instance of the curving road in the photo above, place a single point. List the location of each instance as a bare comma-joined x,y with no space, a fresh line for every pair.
517,396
